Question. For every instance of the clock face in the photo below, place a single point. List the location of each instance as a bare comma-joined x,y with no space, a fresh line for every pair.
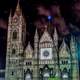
45,53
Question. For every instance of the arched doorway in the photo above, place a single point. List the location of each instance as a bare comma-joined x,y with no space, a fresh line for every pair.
46,75
46,72
28,75
65,74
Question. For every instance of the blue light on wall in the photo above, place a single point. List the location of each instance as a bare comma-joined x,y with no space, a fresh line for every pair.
49,17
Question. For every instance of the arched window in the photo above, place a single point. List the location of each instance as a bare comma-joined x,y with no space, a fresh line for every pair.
15,34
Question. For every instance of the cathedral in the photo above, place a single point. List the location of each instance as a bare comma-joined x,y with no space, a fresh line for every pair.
46,61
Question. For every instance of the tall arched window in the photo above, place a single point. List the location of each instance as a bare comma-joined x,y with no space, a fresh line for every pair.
14,35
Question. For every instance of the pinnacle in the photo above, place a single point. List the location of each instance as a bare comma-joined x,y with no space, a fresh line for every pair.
18,10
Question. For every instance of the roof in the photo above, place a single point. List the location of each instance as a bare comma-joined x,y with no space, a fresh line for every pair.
46,37
28,51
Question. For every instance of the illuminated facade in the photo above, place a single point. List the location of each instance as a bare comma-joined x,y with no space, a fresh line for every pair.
44,61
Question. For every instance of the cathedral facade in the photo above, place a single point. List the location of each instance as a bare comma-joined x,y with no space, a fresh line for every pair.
45,61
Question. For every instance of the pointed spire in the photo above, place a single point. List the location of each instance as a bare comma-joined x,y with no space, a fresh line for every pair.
18,10
46,36
29,48
36,33
55,37
18,6
55,31
29,51
64,50
64,44
36,36
10,18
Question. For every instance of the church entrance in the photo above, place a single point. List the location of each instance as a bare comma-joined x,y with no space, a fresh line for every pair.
28,77
65,74
45,72
46,75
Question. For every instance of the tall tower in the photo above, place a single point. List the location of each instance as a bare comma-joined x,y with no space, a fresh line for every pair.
35,58
14,53
36,42
55,50
55,38
74,53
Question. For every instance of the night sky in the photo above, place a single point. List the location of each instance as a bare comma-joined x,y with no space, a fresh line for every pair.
31,11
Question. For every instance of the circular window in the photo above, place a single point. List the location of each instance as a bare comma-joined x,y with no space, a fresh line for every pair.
46,53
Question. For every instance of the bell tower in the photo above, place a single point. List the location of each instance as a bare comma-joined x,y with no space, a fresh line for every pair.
15,37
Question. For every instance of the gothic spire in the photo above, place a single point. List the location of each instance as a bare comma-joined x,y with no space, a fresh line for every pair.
36,36
36,33
28,51
64,50
10,18
18,10
55,37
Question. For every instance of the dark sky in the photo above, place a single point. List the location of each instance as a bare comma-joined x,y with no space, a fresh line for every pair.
28,6
30,13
